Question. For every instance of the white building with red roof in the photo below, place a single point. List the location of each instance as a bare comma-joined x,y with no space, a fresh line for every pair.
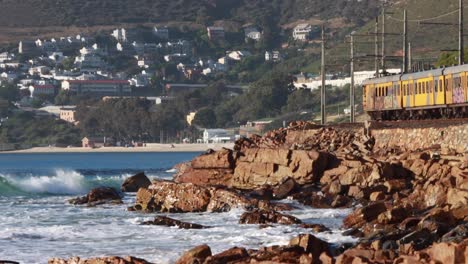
97,86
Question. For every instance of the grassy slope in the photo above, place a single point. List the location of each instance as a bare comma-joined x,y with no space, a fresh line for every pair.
427,41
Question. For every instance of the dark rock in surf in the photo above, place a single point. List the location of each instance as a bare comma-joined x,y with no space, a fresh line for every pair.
166,221
267,217
134,183
97,196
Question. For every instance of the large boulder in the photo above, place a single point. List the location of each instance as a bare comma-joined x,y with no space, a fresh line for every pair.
364,215
262,166
134,183
212,168
267,217
104,260
166,221
222,159
311,244
167,196
197,254
97,196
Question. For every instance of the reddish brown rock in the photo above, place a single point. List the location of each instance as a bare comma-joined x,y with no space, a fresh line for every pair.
284,188
97,196
204,177
457,198
134,183
166,196
267,217
235,254
365,214
310,244
449,253
197,254
105,260
222,159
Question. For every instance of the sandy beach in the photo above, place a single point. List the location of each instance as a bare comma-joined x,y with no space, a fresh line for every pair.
147,148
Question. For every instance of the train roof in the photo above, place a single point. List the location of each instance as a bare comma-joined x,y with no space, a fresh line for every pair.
385,79
422,74
456,69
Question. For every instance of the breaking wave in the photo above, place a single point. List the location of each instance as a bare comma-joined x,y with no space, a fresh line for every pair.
60,182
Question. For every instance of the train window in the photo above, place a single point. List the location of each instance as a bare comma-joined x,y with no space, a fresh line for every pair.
386,90
441,86
446,85
436,86
428,88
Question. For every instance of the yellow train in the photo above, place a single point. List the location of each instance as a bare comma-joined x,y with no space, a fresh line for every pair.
439,93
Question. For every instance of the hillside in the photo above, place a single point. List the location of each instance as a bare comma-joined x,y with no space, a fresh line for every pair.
427,41
31,18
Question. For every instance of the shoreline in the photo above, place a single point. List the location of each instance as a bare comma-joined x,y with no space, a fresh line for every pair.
149,148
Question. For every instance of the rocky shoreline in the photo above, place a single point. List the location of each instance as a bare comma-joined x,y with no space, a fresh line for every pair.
410,206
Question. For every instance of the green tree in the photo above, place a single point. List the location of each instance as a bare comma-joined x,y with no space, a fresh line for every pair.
205,118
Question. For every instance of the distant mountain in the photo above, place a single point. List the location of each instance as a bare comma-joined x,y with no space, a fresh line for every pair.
33,13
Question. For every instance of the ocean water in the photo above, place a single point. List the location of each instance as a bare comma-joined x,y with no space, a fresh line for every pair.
37,223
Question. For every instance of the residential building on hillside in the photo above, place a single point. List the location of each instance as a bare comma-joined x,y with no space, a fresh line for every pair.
216,33
302,32
252,33
37,90
68,114
238,55
217,136
99,87
161,32
273,56
6,56
27,47
120,34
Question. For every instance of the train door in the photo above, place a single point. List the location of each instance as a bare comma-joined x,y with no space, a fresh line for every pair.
413,87
399,95
448,88
438,90
429,91
458,92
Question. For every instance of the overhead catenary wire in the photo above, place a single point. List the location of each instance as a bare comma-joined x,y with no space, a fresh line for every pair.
424,19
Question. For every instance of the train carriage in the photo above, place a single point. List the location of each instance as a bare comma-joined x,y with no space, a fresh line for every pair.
427,94
457,85
382,95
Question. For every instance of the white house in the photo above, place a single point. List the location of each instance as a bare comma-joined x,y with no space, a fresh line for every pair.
273,56
89,61
217,136
8,76
56,56
302,32
238,55
120,34
252,33
5,56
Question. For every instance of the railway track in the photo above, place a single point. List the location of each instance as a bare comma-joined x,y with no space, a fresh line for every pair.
426,123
